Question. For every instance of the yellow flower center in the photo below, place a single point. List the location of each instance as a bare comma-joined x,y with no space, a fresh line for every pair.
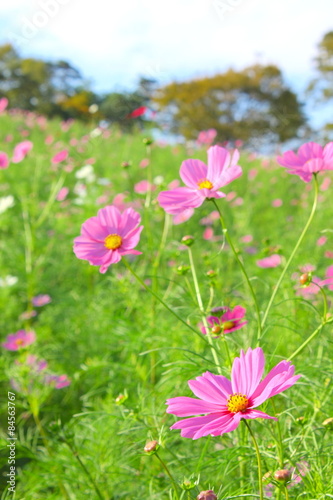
227,325
19,342
113,241
237,402
205,184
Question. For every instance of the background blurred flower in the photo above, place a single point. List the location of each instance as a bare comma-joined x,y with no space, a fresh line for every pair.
271,261
4,160
18,340
41,300
230,321
310,158
21,150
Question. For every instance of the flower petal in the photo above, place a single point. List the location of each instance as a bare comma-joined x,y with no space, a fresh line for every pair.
192,172
186,407
178,199
212,388
247,371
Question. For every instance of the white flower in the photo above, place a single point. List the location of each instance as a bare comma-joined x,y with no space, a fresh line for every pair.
8,281
96,132
87,173
6,202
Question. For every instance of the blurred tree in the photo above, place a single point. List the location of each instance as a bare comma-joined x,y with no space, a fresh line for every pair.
36,85
321,87
116,107
249,104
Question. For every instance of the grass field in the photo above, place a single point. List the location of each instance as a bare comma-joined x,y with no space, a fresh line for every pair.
124,353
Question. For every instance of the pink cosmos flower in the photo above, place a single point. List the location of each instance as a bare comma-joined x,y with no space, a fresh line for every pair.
21,150
21,338
58,381
3,104
143,187
271,261
62,194
321,241
4,160
277,203
310,159
108,236
59,157
202,181
230,321
41,300
206,136
223,402
183,216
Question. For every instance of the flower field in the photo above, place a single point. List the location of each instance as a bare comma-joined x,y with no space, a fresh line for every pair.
166,316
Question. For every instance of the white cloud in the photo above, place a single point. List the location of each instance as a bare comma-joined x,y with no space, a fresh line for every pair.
115,42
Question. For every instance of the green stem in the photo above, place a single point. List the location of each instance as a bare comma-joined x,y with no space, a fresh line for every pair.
323,293
169,474
286,492
202,310
308,340
240,263
225,342
261,491
150,178
293,253
85,470
279,436
142,283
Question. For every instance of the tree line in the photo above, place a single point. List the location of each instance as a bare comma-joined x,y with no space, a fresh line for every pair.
247,104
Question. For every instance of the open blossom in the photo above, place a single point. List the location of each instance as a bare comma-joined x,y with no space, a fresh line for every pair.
57,381
271,261
202,181
41,300
21,150
223,402
310,159
231,320
3,104
4,160
59,157
108,236
16,341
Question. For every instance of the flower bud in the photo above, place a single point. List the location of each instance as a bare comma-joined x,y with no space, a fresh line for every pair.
207,495
121,398
211,273
126,164
151,447
147,141
187,485
187,240
282,475
217,329
183,269
328,422
305,279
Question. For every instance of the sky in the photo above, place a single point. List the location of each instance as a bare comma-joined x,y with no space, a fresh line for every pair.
113,43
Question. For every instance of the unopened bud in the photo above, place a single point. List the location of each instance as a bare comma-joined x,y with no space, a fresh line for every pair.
126,164
187,240
282,475
216,329
151,447
305,279
121,398
211,273
207,495
183,269
187,485
301,420
328,422
147,141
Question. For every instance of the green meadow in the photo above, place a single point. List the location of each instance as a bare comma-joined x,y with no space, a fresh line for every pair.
124,353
